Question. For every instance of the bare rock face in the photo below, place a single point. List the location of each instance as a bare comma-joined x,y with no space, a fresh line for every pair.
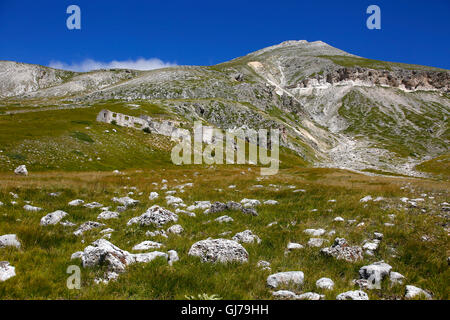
6,271
21,170
284,278
400,78
9,240
154,216
342,251
219,250
53,218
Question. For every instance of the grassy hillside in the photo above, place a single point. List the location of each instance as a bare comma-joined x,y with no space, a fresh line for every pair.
42,261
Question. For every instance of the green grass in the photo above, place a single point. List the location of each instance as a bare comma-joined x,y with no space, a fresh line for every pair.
42,261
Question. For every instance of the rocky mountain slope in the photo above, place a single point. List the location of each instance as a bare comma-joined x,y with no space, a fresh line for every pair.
337,109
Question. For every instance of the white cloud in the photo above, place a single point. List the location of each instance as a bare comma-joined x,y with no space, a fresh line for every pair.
89,64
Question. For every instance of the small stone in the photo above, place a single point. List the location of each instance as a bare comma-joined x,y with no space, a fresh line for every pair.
21,170
284,278
147,245
175,229
6,271
224,219
325,283
247,237
9,240
53,218
353,295
415,292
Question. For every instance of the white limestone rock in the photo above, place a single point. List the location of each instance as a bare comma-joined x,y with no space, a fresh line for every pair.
147,245
76,202
396,278
125,201
219,250
106,215
89,225
9,240
353,295
416,292
53,218
316,242
342,251
175,229
27,207
21,170
153,196
6,271
155,215
284,278
315,232
224,219
325,283
173,257
246,236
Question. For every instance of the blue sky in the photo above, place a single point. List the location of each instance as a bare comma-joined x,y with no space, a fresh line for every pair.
209,32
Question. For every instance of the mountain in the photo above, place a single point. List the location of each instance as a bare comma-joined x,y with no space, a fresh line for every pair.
337,109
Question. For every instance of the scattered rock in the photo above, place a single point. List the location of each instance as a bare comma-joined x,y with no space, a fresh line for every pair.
284,278
341,250
155,215
173,257
27,207
270,202
294,246
93,205
87,226
250,211
21,170
246,236
76,202
375,273
316,242
106,215
264,265
284,295
147,245
53,218
6,271
366,199
396,278
315,232
325,283
153,196
223,219
310,296
175,229
353,295
217,207
125,201
338,219
219,250
415,292
9,240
